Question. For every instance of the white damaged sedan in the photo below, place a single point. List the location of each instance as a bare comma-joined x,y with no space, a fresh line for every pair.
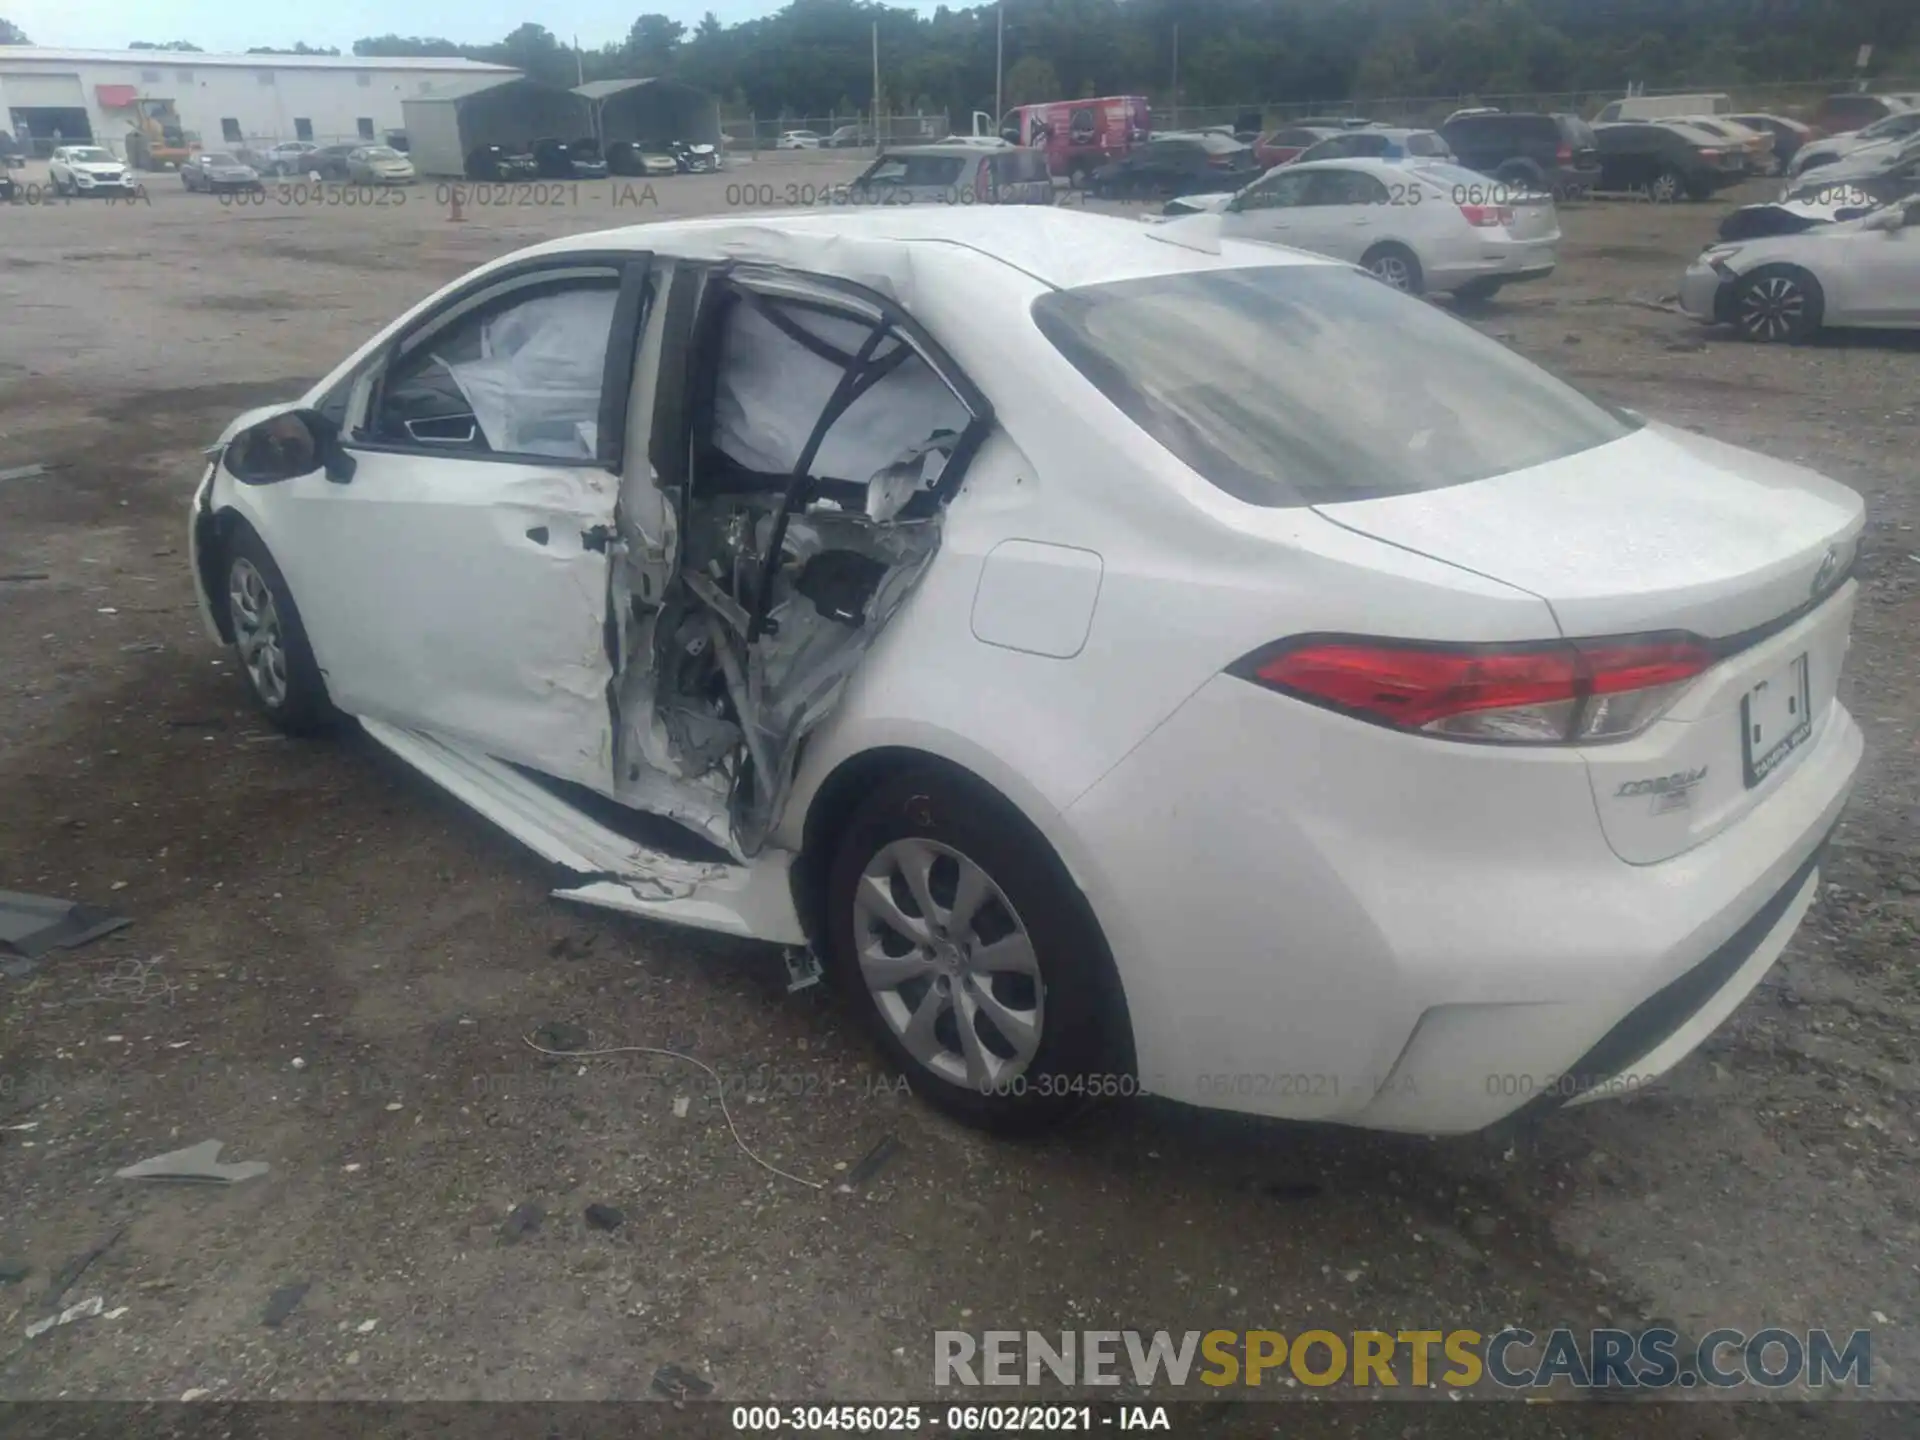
1127,665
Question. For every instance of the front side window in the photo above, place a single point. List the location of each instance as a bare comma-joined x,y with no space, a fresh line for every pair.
1310,384
518,375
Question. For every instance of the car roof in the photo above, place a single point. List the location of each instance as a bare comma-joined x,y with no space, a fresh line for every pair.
891,248
954,147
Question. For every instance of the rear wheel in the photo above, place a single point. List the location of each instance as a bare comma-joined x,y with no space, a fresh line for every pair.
1396,266
1667,187
955,932
1778,303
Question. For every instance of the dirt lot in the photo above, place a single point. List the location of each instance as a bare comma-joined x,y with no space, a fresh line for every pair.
333,967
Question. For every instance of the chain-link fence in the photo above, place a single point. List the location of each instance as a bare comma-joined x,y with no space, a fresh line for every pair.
1796,99
748,134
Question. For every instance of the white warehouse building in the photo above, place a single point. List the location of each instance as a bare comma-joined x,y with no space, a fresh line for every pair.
50,96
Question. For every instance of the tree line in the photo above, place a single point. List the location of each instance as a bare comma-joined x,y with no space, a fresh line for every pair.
814,57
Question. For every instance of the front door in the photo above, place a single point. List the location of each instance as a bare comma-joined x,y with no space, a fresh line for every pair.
458,582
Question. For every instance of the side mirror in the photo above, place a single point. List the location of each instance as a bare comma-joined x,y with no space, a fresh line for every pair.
285,447
1890,219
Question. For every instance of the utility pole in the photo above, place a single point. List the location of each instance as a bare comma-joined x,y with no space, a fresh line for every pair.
999,62
877,141
1176,74
579,63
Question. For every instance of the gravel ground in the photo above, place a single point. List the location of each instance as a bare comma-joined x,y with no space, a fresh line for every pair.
334,968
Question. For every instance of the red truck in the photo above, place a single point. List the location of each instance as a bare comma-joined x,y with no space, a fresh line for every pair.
1079,136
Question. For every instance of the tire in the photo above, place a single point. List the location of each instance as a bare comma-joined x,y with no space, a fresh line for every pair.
270,640
1059,1037
1778,303
1666,187
1395,265
1477,292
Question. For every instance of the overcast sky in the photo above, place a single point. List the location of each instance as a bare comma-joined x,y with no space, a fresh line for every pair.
233,26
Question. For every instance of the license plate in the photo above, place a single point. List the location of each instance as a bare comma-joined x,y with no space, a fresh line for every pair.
1775,717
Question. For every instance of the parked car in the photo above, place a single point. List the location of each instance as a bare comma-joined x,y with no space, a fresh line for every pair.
397,139
1666,162
11,157
1866,179
850,137
1862,273
1789,135
559,160
626,157
1334,122
1378,142
1175,164
88,170
956,175
286,158
1843,114
1554,153
379,165
797,140
1791,217
1664,107
1277,147
215,170
1459,234
1473,110
1340,556
1891,129
1755,151
329,162
691,158
8,190
497,163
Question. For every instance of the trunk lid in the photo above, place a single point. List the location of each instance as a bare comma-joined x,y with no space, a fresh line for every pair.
1534,218
1666,530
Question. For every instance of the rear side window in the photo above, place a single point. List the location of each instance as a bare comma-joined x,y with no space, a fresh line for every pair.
1309,384
1019,166
1575,132
1425,142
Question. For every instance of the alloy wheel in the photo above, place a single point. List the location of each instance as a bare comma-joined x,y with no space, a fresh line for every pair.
949,963
1666,188
257,632
1773,308
1394,270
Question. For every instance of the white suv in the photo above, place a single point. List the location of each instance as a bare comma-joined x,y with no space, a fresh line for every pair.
88,170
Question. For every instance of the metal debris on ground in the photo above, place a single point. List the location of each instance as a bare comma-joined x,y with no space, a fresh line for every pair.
720,1093
869,1164
197,1163
20,577
68,1275
283,1302
677,1383
524,1220
33,925
605,1217
86,1309
24,472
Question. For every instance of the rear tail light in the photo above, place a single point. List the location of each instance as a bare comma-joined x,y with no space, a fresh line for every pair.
1569,692
1487,217
1709,154
1564,155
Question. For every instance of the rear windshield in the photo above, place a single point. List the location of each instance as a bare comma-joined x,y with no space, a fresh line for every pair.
1307,384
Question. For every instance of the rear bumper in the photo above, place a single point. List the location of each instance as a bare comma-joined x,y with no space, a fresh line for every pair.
1505,260
1319,919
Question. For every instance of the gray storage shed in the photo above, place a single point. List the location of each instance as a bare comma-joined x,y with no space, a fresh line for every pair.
442,130
645,111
